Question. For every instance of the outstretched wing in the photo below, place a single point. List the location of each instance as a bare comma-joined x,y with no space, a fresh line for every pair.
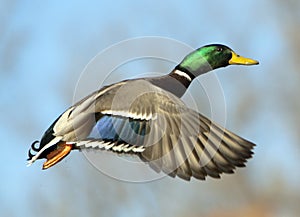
194,146
166,134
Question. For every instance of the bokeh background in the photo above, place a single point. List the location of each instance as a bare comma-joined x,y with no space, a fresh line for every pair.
44,46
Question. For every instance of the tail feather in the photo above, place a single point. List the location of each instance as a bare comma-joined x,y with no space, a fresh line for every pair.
40,150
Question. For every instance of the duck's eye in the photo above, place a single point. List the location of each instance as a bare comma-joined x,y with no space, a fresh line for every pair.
219,49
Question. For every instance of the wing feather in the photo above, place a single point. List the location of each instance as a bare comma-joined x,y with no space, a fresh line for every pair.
166,134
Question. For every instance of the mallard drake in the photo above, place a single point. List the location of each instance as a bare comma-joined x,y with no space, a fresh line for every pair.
146,117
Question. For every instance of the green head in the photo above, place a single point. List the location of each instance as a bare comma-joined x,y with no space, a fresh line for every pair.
212,57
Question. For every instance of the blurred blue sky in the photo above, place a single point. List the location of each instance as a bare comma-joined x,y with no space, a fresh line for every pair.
44,46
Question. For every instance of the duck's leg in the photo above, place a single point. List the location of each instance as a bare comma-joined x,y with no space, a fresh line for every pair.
57,155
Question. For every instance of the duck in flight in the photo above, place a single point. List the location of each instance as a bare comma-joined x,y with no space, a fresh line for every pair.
147,118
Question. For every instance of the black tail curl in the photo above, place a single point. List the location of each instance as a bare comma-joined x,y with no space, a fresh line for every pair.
34,148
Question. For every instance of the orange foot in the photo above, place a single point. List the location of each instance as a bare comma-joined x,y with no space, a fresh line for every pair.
57,155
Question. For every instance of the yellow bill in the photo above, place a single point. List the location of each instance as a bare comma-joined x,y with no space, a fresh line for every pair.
239,60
